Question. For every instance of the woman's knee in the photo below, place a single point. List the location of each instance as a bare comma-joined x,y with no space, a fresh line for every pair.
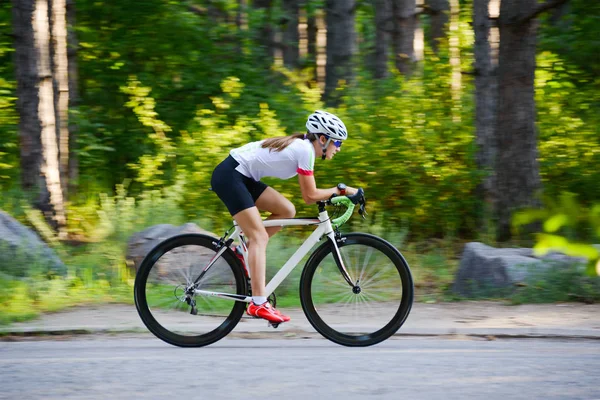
275,203
258,237
289,210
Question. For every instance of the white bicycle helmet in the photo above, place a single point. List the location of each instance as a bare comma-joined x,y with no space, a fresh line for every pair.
322,122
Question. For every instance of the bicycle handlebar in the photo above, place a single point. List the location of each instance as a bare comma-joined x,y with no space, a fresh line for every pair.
350,202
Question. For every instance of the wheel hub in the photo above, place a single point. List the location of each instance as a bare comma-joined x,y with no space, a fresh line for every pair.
356,289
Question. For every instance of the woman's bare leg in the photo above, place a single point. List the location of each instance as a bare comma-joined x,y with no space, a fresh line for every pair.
251,224
257,235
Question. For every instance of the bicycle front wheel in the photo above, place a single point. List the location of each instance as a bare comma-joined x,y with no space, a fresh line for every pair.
367,312
176,315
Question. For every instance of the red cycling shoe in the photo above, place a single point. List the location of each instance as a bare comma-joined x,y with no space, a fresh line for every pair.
266,311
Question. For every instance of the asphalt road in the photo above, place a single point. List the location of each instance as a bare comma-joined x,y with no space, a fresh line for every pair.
124,367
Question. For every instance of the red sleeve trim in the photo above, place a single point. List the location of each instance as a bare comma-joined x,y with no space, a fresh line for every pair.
304,172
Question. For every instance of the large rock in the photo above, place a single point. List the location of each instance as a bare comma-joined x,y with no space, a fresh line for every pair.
22,252
487,270
142,242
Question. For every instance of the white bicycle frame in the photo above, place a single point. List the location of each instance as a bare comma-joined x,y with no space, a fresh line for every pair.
324,227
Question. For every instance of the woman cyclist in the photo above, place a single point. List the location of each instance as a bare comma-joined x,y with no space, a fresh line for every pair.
236,181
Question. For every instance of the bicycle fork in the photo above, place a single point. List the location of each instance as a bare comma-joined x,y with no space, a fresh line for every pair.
334,238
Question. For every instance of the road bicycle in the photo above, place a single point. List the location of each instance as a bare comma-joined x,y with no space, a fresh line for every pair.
356,289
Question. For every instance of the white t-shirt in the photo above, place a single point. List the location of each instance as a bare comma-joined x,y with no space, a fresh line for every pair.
256,162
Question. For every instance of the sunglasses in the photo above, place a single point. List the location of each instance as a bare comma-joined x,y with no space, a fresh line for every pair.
337,143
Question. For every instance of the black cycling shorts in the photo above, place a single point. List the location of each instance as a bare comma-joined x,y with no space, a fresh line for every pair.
237,191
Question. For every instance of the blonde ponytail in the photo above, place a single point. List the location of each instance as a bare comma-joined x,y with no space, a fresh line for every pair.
281,142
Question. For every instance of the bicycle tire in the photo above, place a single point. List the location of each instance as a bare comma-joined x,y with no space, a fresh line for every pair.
329,319
172,325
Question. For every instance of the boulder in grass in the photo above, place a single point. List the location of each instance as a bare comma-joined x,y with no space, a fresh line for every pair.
485,269
142,242
22,252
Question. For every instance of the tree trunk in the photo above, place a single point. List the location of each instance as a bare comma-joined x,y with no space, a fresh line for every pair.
291,53
73,74
454,47
404,13
27,94
419,41
51,197
485,98
439,11
517,172
311,36
494,37
61,77
266,34
240,24
341,45
383,24
312,29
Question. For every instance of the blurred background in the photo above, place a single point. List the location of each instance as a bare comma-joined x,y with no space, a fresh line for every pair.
469,120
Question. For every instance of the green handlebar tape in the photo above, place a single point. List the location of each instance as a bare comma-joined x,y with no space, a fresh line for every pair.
341,220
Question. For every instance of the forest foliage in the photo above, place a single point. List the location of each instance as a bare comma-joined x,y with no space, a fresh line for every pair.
165,93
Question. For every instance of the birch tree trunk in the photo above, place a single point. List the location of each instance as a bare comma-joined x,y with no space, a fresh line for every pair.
61,77
454,47
51,202
341,45
383,24
517,171
26,71
404,13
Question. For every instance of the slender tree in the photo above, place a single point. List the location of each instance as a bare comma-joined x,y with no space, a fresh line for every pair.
26,70
404,14
341,45
383,24
73,74
454,47
291,37
311,33
61,78
439,11
266,33
40,156
52,201
485,97
313,21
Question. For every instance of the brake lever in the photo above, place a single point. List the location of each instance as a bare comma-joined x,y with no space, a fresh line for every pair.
362,211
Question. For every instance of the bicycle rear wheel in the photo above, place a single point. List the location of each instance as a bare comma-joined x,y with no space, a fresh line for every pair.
368,312
160,291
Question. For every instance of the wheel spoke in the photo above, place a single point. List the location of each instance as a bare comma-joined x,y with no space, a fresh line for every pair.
378,273
381,299
339,283
365,263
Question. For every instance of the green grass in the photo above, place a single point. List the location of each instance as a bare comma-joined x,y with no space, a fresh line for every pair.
97,274
558,284
26,299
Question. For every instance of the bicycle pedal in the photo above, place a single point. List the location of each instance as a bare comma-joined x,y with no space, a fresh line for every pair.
274,324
